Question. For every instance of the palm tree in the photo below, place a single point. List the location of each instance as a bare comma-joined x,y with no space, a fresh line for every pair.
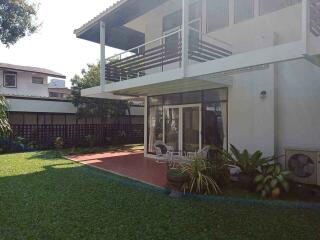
5,128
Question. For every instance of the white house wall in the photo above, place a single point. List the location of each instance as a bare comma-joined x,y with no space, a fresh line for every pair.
299,105
25,86
289,115
278,27
251,118
26,105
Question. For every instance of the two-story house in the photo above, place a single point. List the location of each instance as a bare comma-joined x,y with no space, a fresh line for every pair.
25,81
215,72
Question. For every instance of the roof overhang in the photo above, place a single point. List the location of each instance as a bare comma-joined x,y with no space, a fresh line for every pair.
115,17
44,71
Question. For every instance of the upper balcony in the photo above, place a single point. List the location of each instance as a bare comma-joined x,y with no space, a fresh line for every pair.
196,44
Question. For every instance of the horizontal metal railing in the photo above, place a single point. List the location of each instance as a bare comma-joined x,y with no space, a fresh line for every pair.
135,62
158,53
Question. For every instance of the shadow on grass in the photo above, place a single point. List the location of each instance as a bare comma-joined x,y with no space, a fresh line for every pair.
110,149
58,154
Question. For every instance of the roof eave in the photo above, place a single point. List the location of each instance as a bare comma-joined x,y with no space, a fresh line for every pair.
98,18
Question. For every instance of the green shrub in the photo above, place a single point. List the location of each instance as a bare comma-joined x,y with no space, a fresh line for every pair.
199,180
272,181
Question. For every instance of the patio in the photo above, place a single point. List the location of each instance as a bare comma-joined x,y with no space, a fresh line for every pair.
131,164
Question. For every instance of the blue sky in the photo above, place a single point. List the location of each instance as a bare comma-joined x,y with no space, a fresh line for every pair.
55,46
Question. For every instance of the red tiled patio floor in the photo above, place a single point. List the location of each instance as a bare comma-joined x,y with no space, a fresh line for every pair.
130,164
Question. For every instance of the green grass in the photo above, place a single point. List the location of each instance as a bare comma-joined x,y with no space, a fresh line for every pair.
45,197
81,150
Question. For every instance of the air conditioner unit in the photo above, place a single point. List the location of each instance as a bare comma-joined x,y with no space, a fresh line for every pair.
304,166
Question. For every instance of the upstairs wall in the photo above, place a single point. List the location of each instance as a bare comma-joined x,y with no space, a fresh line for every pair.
25,86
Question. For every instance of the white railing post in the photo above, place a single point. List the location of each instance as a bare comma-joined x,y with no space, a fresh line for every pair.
185,36
102,55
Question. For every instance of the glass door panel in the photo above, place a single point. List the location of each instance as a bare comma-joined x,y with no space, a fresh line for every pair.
171,127
191,129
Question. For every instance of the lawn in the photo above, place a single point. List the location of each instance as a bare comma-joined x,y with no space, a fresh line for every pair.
47,197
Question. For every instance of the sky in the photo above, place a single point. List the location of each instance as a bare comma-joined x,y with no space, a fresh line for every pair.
55,46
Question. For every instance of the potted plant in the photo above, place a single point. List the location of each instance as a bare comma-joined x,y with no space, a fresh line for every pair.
175,179
272,181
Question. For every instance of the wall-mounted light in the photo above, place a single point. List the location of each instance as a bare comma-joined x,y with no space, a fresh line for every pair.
263,94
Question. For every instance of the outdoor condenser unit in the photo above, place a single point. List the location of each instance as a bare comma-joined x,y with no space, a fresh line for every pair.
304,166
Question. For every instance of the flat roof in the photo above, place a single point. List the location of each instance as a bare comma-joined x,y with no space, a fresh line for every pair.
13,67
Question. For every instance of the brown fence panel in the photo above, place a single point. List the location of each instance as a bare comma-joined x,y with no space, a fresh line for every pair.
79,134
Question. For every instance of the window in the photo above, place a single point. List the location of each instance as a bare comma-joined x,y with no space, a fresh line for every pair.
173,22
244,9
268,6
55,95
155,126
217,14
10,79
37,80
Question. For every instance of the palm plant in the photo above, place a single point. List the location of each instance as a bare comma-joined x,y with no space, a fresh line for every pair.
249,164
199,180
5,128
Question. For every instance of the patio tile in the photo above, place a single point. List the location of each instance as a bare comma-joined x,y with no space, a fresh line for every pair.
130,164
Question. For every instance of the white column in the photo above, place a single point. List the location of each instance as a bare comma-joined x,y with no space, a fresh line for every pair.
256,8
305,24
231,12
185,35
102,55
146,126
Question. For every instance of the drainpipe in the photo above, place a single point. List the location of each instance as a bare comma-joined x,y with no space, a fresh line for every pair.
102,56
185,36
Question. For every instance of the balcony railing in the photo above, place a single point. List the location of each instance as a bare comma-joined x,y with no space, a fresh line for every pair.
161,55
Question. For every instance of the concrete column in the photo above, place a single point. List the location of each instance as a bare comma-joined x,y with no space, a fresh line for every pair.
305,24
185,35
102,55
256,8
231,12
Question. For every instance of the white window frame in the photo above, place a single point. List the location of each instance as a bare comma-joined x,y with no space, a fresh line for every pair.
9,74
180,134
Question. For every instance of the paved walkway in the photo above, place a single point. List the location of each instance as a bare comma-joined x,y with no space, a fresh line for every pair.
129,164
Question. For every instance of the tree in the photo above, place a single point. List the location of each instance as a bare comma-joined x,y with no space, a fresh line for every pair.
5,128
95,107
17,20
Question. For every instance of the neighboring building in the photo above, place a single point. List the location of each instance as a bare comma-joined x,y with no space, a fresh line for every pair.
215,72
25,81
34,101
57,89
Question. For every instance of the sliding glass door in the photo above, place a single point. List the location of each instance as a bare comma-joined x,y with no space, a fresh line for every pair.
172,127
182,126
191,129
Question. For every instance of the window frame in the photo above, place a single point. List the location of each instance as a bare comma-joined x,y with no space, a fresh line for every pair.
36,77
207,17
6,73
246,19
